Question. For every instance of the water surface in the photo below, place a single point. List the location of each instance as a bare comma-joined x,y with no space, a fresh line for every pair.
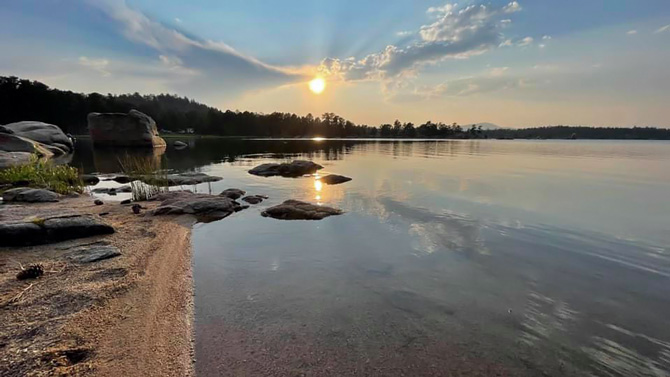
453,258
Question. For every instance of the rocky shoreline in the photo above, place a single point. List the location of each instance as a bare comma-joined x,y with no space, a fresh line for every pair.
107,305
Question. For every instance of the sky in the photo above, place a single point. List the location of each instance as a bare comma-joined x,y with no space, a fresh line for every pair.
513,63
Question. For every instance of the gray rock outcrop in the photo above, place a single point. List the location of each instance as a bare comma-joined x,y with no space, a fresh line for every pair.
54,229
134,129
297,210
49,135
29,195
293,169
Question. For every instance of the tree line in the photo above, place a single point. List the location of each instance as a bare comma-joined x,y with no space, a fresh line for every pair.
23,99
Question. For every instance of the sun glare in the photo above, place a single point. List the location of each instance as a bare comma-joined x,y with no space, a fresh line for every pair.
317,85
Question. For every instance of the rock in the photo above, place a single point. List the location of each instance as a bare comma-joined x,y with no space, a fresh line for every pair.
180,179
93,254
5,130
110,190
54,229
134,129
90,179
233,193
14,143
9,159
122,179
297,210
98,202
179,144
136,208
47,134
296,168
206,206
334,179
29,195
254,199
127,201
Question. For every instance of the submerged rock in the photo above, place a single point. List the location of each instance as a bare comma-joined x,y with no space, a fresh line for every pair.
93,253
297,210
233,193
254,199
334,179
54,229
294,169
29,195
90,179
212,207
49,135
134,129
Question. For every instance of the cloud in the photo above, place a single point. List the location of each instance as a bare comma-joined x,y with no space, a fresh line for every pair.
404,33
546,37
525,42
455,34
99,65
178,20
631,32
662,29
212,65
542,45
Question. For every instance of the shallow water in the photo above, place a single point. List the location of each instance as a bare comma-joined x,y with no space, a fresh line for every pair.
471,257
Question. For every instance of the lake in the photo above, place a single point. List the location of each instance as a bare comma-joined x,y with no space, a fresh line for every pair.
473,257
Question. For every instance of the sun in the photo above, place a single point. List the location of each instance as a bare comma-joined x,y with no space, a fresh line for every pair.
317,85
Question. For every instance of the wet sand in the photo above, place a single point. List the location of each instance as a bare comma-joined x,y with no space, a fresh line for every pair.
130,315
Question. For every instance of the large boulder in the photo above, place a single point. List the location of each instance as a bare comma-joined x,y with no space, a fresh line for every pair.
54,229
134,129
294,169
29,195
49,135
297,210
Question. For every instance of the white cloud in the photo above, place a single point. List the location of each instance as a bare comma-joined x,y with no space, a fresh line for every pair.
215,63
525,41
546,37
99,65
447,8
506,43
542,45
178,20
498,71
404,33
631,32
512,7
455,34
662,29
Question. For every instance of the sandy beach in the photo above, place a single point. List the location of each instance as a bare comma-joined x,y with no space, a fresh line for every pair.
128,315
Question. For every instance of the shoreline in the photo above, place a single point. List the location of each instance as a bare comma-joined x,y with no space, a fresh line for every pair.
132,314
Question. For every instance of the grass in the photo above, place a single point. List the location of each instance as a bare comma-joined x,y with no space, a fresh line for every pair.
38,173
151,177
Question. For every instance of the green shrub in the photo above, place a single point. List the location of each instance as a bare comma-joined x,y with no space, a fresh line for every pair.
38,173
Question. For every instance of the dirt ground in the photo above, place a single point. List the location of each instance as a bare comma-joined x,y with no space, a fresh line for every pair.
126,316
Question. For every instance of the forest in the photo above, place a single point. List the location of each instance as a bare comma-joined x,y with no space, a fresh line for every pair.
23,99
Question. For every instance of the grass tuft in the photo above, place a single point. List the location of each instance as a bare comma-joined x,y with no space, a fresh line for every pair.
38,173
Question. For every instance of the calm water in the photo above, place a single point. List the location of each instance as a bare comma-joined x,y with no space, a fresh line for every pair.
453,258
